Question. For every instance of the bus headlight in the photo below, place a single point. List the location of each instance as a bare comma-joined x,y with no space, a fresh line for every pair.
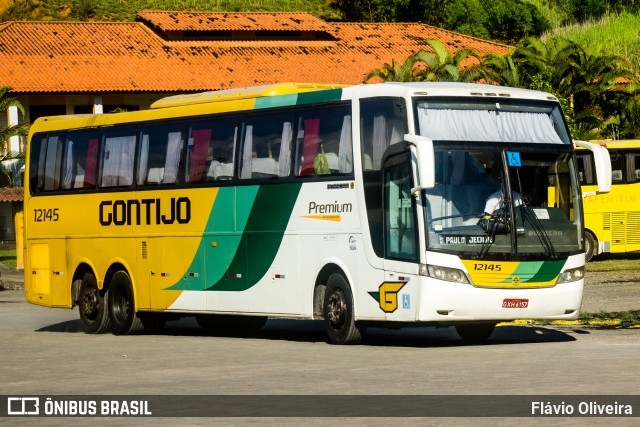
448,274
572,275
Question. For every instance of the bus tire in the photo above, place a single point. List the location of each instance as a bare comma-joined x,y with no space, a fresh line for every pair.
92,305
122,311
339,317
590,245
475,332
227,323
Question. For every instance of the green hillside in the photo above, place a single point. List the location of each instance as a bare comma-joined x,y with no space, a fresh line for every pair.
125,10
616,34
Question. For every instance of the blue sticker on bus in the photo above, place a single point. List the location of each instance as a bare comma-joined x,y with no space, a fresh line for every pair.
513,158
406,301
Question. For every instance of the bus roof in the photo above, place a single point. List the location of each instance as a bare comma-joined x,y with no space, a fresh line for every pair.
241,93
619,143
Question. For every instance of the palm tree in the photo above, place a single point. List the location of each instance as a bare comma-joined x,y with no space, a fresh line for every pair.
408,71
444,66
436,65
500,69
20,129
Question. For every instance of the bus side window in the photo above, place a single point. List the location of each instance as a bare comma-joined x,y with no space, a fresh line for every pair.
323,143
616,167
38,149
211,150
633,167
80,160
117,158
50,163
266,146
585,169
159,158
383,124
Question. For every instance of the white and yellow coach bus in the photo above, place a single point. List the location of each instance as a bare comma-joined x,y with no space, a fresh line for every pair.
362,206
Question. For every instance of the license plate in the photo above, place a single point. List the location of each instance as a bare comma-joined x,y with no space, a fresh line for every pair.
515,303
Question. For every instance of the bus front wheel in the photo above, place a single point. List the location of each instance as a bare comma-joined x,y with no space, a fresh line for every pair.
124,320
339,318
590,244
92,305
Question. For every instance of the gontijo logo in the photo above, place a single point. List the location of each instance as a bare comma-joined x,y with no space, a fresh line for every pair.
145,211
387,295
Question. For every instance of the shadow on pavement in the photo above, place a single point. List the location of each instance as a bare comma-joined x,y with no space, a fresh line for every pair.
313,331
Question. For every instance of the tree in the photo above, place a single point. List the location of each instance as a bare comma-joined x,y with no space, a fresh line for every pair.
20,129
593,88
439,64
442,65
408,71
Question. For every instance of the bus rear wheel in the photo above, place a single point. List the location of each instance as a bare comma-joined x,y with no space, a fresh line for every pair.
476,332
339,317
124,320
92,305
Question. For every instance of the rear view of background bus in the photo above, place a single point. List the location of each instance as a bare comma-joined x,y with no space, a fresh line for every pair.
612,220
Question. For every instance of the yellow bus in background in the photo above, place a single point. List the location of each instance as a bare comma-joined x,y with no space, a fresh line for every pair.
612,220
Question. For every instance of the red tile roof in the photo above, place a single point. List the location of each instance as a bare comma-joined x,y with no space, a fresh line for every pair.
253,21
11,194
131,57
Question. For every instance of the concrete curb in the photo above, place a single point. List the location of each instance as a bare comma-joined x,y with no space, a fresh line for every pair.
10,285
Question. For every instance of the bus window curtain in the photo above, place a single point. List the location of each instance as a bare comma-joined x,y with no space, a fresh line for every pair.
41,162
68,175
380,142
310,146
174,146
247,153
345,151
90,167
201,138
143,165
630,163
484,125
53,163
117,169
284,159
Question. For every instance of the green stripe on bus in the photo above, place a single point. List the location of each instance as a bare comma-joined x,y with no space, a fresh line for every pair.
276,101
538,271
226,224
549,270
261,239
320,96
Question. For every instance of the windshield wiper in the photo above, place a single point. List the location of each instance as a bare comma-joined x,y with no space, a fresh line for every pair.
528,214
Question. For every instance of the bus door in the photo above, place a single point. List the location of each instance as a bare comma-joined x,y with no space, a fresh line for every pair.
399,292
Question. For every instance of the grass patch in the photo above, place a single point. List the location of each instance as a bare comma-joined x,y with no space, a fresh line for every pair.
611,263
8,255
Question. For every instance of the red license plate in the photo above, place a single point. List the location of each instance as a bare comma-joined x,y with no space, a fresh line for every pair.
515,303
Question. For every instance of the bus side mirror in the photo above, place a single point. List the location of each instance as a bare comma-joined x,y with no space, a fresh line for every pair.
602,162
423,156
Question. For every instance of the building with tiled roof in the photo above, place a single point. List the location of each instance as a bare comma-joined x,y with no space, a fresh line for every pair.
80,67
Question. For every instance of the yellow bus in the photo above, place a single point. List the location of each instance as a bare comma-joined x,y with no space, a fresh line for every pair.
612,221
361,205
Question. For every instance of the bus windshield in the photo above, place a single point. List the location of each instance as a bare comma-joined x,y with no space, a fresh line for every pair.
504,191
